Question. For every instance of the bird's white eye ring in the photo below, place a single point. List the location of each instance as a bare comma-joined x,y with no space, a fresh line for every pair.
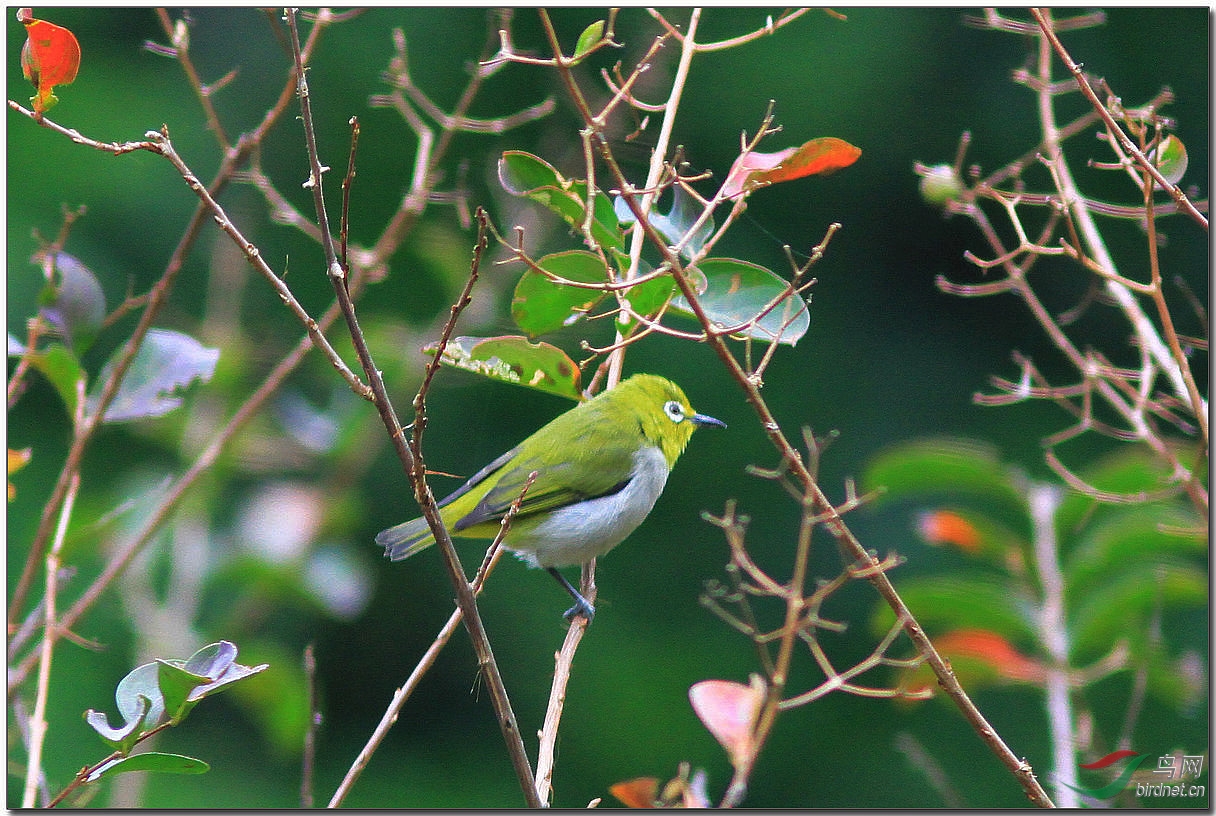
674,411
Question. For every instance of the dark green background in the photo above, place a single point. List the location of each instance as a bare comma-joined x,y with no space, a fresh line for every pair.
888,358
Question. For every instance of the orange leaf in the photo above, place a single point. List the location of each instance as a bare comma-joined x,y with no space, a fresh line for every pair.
947,527
637,793
994,650
50,57
814,157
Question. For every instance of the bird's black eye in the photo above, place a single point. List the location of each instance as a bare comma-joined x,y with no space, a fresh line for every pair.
674,411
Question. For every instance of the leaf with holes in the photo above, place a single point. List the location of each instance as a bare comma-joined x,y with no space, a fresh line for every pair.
515,360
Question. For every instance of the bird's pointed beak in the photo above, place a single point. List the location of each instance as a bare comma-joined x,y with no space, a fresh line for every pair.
702,419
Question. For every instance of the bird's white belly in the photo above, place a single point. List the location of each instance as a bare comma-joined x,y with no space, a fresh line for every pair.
579,532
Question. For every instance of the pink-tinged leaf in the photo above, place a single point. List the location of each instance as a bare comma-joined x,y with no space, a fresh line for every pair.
818,156
729,710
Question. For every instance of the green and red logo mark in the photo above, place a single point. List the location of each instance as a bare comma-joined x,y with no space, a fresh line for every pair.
1169,767
1135,760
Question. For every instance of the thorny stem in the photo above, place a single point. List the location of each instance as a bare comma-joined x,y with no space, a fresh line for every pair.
460,583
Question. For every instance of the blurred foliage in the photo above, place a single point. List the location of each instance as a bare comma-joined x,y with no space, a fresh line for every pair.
273,548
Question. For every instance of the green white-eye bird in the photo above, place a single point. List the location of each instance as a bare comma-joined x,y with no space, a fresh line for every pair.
600,467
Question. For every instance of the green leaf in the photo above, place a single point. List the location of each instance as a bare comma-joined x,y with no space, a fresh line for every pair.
1170,158
1125,603
944,603
1126,471
541,305
528,176
1136,539
62,369
649,296
737,291
515,360
73,302
166,362
951,466
176,685
591,35
150,761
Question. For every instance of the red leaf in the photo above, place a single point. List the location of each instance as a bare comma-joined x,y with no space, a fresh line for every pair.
814,157
994,650
50,57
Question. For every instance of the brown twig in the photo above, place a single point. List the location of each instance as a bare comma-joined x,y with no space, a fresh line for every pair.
308,760
402,694
790,459
409,458
1047,27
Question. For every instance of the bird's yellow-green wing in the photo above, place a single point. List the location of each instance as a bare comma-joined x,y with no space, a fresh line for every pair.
576,457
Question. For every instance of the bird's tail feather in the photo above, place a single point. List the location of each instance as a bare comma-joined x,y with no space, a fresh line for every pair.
405,539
